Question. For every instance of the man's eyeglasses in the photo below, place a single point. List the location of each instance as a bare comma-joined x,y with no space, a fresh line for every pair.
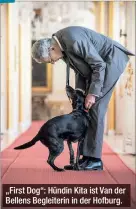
38,61
50,59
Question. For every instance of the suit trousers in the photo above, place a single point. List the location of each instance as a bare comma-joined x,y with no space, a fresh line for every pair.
92,144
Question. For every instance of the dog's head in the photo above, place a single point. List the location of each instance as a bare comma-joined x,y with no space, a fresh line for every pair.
77,98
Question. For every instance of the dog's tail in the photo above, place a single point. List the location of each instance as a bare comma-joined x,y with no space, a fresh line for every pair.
28,144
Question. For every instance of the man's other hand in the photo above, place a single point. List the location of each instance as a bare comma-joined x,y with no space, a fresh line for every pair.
89,101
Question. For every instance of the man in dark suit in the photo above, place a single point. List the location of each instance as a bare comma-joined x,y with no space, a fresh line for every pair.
98,62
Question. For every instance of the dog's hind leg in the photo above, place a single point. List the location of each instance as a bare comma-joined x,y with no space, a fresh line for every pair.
51,159
52,156
77,166
71,151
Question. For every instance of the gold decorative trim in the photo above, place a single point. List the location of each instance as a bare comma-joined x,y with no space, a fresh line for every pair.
92,10
129,82
102,17
47,89
20,75
111,10
111,108
8,72
15,55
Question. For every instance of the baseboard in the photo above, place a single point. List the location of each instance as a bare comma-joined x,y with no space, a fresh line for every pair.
11,134
23,126
111,133
8,138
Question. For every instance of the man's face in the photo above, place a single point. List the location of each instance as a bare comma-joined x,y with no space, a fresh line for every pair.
53,56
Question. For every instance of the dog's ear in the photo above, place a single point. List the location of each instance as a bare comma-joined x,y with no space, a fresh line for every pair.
70,91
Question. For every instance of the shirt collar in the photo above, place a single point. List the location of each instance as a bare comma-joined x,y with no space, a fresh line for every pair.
58,42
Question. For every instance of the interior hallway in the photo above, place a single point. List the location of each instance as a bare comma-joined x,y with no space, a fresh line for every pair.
22,99
34,92
29,166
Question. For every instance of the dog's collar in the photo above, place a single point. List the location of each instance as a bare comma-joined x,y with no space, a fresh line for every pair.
78,89
85,110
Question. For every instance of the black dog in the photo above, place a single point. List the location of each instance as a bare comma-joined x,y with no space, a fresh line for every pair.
71,127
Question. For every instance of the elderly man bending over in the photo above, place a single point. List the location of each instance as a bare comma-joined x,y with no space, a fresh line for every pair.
98,61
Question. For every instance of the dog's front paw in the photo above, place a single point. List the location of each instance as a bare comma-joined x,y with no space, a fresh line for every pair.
60,169
77,167
69,167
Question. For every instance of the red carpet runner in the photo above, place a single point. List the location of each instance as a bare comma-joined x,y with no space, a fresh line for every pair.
30,167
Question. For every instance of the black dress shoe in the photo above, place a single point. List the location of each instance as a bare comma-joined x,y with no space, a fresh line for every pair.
82,162
83,159
94,165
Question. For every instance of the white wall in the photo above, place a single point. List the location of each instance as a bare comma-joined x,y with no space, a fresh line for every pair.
10,59
26,74
13,70
59,82
3,68
84,18
119,23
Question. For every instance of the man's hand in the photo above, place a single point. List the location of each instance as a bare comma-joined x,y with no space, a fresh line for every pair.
89,101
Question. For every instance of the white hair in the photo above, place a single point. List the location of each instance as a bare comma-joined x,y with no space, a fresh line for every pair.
40,49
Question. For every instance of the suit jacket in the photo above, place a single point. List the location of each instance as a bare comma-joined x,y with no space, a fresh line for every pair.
96,59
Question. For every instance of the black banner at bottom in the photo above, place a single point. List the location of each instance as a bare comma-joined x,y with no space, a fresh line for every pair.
53,195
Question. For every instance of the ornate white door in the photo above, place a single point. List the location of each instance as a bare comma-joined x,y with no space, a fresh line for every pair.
125,106
129,94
